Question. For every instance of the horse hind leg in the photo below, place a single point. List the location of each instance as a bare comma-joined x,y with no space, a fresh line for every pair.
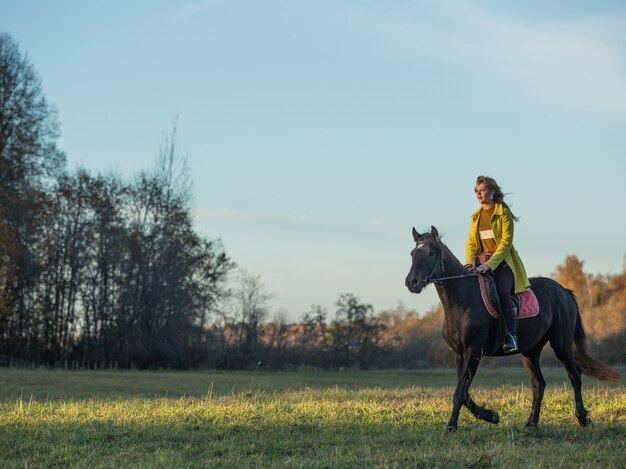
566,356
531,365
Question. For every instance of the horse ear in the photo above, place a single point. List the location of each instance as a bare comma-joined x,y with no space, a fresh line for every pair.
434,232
416,235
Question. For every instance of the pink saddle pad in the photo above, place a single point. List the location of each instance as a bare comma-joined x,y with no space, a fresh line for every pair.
529,306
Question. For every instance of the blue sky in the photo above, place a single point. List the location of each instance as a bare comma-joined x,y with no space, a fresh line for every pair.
319,132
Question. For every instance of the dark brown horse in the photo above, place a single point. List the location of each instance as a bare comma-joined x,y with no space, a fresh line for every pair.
473,333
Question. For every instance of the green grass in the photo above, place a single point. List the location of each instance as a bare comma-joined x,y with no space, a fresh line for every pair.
344,419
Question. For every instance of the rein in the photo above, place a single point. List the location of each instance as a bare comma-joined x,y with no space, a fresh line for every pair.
442,279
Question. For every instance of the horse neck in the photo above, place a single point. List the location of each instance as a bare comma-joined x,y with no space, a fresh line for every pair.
454,293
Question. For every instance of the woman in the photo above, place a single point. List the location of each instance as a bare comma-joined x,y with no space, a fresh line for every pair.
490,248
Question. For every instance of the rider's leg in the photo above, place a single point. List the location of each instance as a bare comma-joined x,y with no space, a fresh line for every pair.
505,282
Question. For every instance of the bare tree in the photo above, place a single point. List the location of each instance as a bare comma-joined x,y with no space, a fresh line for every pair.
173,276
29,162
252,303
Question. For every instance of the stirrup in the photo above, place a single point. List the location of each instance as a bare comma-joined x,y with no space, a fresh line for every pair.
510,343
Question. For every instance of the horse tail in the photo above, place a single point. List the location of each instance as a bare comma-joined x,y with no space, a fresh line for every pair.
590,366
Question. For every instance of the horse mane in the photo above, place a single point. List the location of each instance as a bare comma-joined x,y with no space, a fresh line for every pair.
449,258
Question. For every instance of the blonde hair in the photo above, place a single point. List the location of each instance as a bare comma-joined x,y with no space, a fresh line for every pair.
498,196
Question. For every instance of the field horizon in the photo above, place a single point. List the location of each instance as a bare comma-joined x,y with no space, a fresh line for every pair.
57,383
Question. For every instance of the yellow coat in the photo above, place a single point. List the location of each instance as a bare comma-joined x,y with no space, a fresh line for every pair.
502,226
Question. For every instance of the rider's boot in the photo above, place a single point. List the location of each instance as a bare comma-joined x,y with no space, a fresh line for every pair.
510,325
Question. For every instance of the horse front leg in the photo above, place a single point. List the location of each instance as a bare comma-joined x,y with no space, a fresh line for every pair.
479,412
466,370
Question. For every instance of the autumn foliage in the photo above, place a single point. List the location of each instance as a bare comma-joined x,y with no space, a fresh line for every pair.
602,302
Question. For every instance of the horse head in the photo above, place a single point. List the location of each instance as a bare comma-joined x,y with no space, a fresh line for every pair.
425,260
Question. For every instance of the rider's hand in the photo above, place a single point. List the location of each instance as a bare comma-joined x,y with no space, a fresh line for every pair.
483,269
470,267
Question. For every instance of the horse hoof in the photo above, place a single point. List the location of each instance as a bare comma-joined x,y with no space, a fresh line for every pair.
451,428
531,426
585,422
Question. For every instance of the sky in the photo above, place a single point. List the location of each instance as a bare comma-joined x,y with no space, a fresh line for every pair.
320,132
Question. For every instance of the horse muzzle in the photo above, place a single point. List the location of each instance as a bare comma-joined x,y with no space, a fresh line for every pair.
413,284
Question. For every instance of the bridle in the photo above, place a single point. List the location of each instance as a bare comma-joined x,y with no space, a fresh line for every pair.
429,278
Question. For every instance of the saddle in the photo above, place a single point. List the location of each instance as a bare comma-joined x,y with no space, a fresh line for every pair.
527,304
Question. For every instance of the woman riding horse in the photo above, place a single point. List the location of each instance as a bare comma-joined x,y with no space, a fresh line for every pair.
490,248
470,330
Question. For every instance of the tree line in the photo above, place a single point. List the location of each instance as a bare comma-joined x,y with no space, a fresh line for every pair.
96,271
356,337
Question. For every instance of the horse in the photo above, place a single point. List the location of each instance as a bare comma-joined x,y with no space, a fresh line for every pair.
472,333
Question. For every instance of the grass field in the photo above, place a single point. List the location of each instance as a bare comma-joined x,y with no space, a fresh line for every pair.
298,419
